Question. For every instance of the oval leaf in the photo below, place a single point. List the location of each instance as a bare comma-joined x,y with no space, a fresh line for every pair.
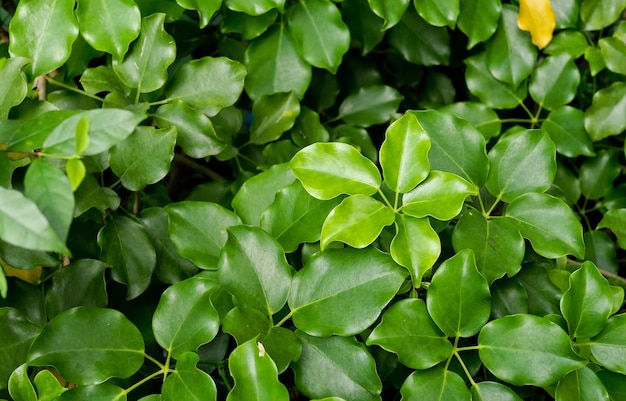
491,91
370,105
492,391
18,334
437,384
607,114
566,127
13,86
609,346
555,82
478,19
582,384
273,115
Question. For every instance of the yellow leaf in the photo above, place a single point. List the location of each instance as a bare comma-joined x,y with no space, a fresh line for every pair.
538,18
30,276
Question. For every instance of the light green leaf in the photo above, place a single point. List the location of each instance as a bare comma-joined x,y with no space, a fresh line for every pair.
145,66
273,115
274,65
43,31
482,117
126,246
20,387
614,54
188,382
255,7
18,334
438,13
391,11
549,224
89,345
441,196
370,105
198,230
255,374
321,35
598,14
596,175
566,127
205,8
357,221
252,267
407,330
437,384
210,83
489,89
404,154
527,350
109,25
24,225
582,385
343,291
493,391
573,43
338,366
458,298
13,86
81,135
99,392
614,220
554,82
47,386
102,79
420,42
607,114
327,170
415,246
609,346
478,19
520,163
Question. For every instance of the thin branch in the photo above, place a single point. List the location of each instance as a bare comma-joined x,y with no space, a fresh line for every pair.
192,164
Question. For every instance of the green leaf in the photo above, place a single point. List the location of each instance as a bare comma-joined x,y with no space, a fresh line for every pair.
458,298
321,35
185,317
493,391
600,249
614,54
489,89
188,382
18,334
327,170
145,66
90,194
89,345
609,346
126,246
614,384
478,19
527,350
210,83
100,392
596,175
520,163
510,54
598,14
198,230
43,31
483,118
81,135
543,296
435,384
47,386
420,42
573,43
273,115
391,11
337,366
438,13
102,79
357,221
614,221
549,224
24,225
370,105
404,154
109,25
252,267
555,82
566,127
496,242
415,246
308,128
144,157
441,196
51,191
581,384
255,8
205,8
407,330
343,291
13,86
248,26
195,132
607,114
365,26
274,65
20,387
255,374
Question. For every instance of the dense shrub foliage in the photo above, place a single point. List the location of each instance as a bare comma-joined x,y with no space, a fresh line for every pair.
312,200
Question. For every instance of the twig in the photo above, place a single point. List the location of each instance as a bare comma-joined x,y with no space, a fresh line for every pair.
186,161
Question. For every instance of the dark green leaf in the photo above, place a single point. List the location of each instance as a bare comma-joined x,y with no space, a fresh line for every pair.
614,384
370,105
614,221
573,43
437,384
18,334
90,194
102,79
609,346
100,392
598,14
596,175
543,295
607,114
483,118
415,246
488,89
205,8
600,249
188,382
273,115
492,391
478,19
566,127
255,8
555,82
248,26
582,384
420,42
365,26
438,13
508,297
308,129
391,11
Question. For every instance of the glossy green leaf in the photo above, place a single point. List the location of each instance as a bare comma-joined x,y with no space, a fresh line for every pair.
308,128
18,334
493,391
614,221
343,291
126,246
594,58
483,118
608,347
527,350
614,384
437,384
420,42
90,194
356,221
328,170
458,298
89,345
549,224
404,154
321,35
99,392
248,26
391,11
478,19
43,31
415,246
283,346
554,82
614,54
81,135
365,26
582,384
102,79
198,230
407,330
252,267
255,374
543,296
598,14
20,387
273,115
13,86
496,242
566,127
596,175
520,163
145,66
607,114
205,8
188,382
47,386
492,92
600,249
573,43
109,25
441,196
24,225
438,13
336,366
370,105
274,65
